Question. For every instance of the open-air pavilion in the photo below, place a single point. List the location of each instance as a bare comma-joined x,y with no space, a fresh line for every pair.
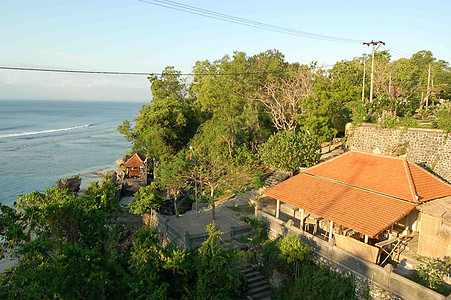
367,202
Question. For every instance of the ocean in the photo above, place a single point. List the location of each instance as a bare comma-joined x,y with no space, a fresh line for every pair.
41,141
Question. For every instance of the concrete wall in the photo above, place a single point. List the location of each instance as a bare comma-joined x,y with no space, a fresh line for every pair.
383,283
430,242
427,147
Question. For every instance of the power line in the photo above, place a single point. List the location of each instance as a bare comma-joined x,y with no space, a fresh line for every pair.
241,21
132,73
399,51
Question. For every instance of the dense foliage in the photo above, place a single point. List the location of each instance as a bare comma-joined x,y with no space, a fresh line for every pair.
65,245
306,280
69,248
146,199
213,132
290,150
316,283
234,106
218,270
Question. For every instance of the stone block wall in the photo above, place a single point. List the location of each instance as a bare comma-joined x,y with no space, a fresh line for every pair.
427,147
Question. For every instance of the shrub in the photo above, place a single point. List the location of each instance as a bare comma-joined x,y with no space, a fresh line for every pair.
443,117
316,282
260,229
433,272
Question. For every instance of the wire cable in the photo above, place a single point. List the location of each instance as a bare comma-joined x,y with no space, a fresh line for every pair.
131,73
241,21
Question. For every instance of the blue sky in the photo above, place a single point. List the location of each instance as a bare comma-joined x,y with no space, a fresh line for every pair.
131,36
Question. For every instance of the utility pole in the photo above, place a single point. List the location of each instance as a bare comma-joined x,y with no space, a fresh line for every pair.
389,84
372,64
427,92
363,86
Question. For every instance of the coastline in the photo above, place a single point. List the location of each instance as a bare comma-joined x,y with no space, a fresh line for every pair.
95,175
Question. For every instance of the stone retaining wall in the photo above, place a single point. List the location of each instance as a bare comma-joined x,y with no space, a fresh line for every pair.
382,283
427,147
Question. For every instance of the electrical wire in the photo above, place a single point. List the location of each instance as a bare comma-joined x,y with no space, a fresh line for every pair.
131,73
241,21
400,52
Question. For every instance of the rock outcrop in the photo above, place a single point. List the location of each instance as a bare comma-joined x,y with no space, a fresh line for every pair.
71,183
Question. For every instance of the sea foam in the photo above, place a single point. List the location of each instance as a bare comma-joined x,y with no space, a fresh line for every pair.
43,131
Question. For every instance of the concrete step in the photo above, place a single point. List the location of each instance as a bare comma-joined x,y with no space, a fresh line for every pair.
265,295
247,269
258,287
255,279
259,290
257,284
252,273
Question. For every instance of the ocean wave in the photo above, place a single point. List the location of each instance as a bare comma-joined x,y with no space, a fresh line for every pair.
44,131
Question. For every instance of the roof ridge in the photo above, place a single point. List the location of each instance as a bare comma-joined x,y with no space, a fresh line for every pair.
412,186
361,188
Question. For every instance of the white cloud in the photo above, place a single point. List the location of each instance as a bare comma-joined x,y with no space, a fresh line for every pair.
73,83
11,80
56,54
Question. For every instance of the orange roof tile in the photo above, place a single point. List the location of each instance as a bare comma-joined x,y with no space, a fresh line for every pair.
361,210
135,161
389,175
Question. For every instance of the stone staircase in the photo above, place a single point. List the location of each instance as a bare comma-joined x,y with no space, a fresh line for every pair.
257,286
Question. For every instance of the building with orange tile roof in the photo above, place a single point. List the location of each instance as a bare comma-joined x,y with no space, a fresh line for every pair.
360,191
135,166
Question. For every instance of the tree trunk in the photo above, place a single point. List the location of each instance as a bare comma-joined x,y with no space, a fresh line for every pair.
213,215
176,206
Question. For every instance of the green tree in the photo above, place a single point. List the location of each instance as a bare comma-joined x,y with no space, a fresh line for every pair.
289,151
293,251
443,116
218,275
64,245
165,126
146,199
161,272
172,175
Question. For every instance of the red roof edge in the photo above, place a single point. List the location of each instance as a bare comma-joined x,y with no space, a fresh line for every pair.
396,220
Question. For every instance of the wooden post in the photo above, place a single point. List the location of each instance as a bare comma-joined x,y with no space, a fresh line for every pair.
278,209
366,239
331,228
302,218
390,234
407,225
